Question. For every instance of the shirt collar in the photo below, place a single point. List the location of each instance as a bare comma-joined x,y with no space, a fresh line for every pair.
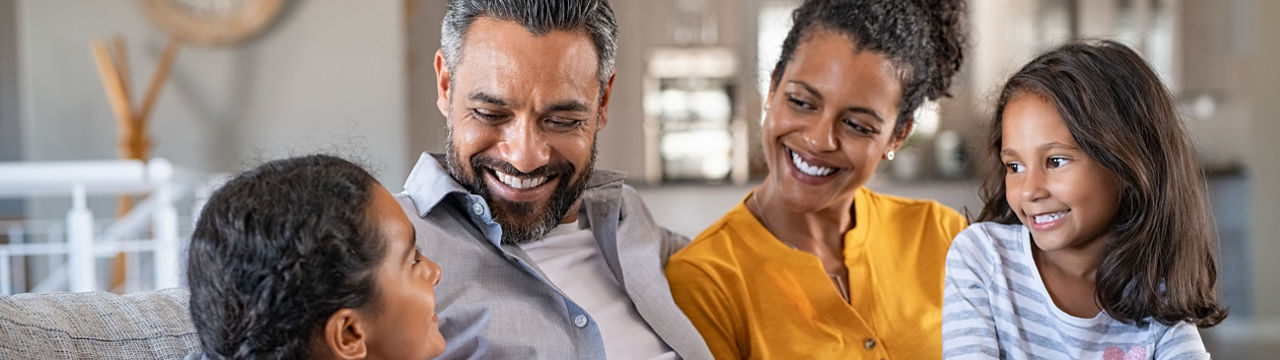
429,183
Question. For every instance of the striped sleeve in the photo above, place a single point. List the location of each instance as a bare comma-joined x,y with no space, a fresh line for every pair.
1181,342
968,328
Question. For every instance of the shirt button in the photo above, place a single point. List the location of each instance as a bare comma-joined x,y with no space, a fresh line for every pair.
580,320
477,208
869,343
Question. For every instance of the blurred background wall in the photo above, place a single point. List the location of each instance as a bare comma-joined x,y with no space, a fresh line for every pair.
10,126
326,75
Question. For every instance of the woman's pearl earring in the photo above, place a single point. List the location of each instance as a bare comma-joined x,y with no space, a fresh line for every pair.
889,155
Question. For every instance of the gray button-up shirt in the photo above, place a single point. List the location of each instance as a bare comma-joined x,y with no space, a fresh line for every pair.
494,302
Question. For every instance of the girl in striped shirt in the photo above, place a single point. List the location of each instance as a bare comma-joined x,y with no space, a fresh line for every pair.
1095,240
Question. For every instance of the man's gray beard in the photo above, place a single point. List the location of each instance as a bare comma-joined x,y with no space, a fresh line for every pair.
537,220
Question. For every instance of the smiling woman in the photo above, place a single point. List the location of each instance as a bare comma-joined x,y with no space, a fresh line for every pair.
850,74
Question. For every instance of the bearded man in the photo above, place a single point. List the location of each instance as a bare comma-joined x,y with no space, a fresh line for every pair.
548,258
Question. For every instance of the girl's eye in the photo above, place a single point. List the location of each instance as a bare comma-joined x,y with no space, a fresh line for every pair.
417,258
1058,161
1014,167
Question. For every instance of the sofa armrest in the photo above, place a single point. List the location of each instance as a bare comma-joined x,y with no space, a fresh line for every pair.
99,325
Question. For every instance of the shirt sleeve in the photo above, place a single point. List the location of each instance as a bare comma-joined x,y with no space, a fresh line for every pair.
1181,342
703,301
968,328
953,223
672,242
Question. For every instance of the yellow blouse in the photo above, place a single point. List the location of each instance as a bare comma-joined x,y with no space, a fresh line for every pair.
752,296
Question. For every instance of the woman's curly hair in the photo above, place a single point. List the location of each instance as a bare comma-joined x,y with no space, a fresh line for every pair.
924,39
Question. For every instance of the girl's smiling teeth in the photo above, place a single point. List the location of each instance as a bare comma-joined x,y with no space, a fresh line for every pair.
520,183
807,168
1049,217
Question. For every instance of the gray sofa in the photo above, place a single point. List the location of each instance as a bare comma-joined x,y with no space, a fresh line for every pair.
98,325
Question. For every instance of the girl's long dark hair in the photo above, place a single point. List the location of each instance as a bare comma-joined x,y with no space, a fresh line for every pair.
1161,262
279,249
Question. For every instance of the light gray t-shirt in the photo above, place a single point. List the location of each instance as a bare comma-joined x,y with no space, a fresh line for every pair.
995,305
570,257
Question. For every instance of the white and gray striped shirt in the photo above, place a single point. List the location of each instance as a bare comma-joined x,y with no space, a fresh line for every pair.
995,305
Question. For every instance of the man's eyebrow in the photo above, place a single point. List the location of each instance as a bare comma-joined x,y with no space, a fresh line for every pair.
568,105
487,98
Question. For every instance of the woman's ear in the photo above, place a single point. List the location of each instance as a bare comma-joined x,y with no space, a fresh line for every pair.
345,335
768,95
898,138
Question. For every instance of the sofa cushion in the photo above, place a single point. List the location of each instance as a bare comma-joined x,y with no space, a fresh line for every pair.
98,325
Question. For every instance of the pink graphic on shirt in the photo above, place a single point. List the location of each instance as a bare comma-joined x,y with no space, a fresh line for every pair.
1115,353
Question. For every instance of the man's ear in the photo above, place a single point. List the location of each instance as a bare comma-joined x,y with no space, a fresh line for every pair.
604,102
442,84
345,335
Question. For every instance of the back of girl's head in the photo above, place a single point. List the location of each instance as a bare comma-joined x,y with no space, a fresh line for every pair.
276,251
1161,260
924,39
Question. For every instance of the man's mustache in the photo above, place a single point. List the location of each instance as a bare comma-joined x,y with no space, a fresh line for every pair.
549,170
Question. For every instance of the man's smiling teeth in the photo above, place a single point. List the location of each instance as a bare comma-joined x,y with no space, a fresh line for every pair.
517,182
1041,219
809,169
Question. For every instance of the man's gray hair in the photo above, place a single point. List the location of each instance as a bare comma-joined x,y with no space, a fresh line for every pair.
594,17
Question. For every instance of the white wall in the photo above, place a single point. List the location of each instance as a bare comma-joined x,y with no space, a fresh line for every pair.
328,76
427,128
1002,40
10,124
1263,84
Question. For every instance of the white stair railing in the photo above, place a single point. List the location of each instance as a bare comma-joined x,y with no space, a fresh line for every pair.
82,246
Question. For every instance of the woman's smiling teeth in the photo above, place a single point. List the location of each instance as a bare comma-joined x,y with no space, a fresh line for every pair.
516,182
807,168
1045,218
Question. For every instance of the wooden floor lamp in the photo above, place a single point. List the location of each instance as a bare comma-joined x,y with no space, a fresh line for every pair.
134,143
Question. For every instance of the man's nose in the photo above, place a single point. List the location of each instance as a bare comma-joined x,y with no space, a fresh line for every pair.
524,145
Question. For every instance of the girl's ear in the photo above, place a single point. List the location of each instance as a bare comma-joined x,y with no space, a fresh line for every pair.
345,335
